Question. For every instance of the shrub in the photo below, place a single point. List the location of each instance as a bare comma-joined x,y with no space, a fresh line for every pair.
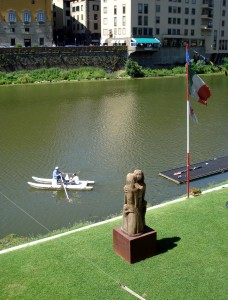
133,69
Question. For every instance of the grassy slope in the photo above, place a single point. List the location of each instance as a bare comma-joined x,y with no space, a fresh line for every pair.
192,263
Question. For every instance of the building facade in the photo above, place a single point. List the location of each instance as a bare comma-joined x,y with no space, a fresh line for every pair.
62,22
86,20
203,23
26,23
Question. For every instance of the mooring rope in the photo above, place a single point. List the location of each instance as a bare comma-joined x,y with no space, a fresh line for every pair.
122,285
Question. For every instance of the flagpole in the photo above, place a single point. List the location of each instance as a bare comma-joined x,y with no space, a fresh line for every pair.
188,113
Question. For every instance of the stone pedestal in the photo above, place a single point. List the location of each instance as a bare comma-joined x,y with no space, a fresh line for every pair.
135,249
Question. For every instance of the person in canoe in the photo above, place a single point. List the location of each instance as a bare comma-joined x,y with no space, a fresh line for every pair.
74,179
57,176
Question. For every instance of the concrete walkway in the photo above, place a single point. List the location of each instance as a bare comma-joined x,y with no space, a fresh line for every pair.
100,223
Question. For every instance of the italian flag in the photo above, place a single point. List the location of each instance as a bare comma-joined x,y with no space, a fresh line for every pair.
198,88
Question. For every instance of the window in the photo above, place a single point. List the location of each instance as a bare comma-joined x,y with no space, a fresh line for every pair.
134,31
124,9
186,32
82,8
26,29
105,10
33,1
115,21
26,17
223,23
170,9
139,31
185,21
193,22
95,26
115,10
145,20
105,21
158,8
145,30
105,32
40,17
169,20
140,8
145,8
95,7
124,21
157,31
12,29
193,1
192,32
174,9
178,21
139,20
123,31
77,8
186,11
151,31
193,11
223,13
174,21
157,20
222,33
12,17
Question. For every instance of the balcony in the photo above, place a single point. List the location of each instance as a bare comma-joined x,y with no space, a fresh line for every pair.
206,16
206,26
207,4
26,23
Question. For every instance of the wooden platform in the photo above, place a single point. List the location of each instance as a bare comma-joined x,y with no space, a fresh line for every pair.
198,170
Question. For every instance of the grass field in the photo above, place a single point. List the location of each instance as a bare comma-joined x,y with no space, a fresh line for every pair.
191,262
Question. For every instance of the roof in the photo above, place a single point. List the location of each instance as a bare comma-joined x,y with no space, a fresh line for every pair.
146,40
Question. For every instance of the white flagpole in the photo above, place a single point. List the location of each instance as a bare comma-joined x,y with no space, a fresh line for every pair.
188,113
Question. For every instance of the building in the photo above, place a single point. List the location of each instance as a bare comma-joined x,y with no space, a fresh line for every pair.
26,23
203,23
62,22
86,20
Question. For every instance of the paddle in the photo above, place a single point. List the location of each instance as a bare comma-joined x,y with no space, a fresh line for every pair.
65,189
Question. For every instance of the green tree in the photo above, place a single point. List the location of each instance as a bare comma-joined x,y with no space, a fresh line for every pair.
133,69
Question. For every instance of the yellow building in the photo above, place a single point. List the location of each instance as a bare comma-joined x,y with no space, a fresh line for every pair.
26,23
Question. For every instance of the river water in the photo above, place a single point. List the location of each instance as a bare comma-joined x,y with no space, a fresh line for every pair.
104,129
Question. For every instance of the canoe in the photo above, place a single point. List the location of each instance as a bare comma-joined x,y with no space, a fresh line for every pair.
48,180
71,187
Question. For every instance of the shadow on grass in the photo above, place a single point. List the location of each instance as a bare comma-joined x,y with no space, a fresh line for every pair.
167,244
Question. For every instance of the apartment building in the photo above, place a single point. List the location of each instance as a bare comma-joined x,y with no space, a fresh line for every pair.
62,22
202,23
26,23
86,20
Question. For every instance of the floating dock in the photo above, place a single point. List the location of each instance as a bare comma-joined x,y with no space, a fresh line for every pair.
198,170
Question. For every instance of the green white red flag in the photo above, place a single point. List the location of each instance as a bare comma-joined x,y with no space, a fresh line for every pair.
199,90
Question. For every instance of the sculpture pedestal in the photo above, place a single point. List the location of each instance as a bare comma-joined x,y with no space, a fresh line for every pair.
135,249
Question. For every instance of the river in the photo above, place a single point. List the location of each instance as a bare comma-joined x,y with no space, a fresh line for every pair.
103,129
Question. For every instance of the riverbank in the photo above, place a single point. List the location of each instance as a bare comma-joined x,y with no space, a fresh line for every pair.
92,73
13,242
191,261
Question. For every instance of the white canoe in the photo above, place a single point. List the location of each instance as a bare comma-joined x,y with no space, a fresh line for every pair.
72,187
48,180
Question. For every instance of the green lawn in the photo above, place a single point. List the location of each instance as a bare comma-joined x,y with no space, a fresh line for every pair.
191,263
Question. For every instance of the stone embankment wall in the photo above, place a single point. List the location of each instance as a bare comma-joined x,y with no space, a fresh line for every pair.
109,58
169,56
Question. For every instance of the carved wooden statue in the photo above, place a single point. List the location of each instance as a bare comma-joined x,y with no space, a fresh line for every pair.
134,209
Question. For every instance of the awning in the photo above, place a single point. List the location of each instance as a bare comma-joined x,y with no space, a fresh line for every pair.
147,41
